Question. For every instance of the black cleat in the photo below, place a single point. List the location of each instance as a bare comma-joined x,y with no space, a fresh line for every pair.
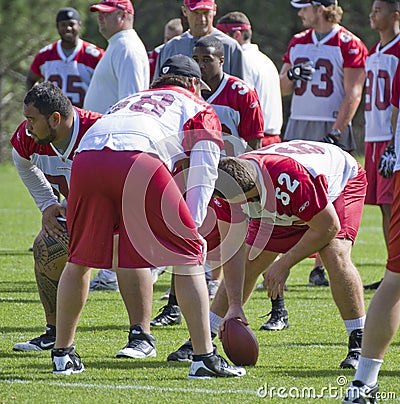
214,366
66,361
42,343
360,393
279,320
351,361
317,277
170,315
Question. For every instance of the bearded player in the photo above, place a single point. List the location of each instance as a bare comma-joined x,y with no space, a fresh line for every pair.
43,149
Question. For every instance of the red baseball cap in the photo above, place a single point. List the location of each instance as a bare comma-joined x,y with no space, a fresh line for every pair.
110,6
194,5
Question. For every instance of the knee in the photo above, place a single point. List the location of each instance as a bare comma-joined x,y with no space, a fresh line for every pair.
49,249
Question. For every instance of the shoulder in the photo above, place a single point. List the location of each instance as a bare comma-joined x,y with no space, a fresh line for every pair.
22,142
301,37
349,40
238,86
92,50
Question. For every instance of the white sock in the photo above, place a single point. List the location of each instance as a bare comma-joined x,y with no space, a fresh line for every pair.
215,321
356,324
368,370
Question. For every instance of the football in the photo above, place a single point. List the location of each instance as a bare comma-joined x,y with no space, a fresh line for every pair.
240,343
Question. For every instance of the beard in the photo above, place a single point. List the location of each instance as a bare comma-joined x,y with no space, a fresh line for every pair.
48,139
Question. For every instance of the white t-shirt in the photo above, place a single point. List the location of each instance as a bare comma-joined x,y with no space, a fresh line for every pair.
262,74
173,124
122,71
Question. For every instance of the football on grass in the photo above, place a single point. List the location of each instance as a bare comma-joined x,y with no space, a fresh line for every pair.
240,343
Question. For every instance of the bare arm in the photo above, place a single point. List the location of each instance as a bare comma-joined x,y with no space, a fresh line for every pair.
254,143
287,86
31,80
42,193
323,227
393,120
353,81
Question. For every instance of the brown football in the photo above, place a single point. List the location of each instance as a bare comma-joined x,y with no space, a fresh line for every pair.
240,343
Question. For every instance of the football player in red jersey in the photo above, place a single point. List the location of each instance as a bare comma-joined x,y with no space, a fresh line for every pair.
69,62
381,65
298,198
43,149
324,71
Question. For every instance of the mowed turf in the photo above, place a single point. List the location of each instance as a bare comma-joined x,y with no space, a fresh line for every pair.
300,364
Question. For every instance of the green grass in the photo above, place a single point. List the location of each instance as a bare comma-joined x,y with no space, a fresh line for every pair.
306,356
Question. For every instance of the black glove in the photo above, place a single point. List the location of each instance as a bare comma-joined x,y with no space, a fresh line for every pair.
302,71
332,139
387,162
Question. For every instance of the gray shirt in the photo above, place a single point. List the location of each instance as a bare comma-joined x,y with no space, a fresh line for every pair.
183,44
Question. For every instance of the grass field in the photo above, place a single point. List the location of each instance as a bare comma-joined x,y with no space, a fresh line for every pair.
303,359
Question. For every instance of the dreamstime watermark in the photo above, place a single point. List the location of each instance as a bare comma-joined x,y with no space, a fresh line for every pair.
332,390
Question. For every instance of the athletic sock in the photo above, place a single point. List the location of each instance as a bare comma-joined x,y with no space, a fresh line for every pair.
355,324
278,303
202,357
368,370
215,321
172,300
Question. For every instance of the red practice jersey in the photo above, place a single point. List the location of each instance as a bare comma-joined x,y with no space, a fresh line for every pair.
55,166
299,179
238,108
320,98
73,73
380,69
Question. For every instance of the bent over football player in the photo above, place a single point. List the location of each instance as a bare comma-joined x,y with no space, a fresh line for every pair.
122,178
301,197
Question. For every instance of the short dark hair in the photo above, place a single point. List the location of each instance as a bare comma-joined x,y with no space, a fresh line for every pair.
237,17
394,3
48,98
241,171
211,42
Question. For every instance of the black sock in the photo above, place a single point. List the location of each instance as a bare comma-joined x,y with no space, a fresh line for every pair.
172,300
203,356
278,303
50,330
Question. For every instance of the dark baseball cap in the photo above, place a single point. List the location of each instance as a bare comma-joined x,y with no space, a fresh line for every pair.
66,14
182,65
306,3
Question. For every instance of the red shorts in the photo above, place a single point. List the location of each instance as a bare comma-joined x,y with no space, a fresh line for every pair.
349,207
380,189
393,262
135,193
270,139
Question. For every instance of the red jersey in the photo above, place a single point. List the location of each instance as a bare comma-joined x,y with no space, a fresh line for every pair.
320,98
299,178
55,166
238,108
71,73
380,69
